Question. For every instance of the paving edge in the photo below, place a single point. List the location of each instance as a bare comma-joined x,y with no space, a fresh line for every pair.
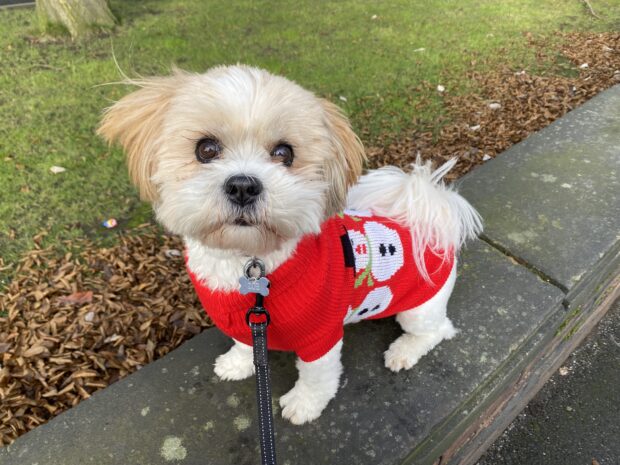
17,5
514,385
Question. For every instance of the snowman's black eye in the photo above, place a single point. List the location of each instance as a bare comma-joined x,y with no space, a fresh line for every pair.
392,249
376,307
382,250
364,310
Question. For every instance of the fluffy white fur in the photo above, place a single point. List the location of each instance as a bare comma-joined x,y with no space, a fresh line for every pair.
219,268
436,214
249,111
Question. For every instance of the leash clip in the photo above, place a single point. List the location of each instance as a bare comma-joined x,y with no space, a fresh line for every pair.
257,311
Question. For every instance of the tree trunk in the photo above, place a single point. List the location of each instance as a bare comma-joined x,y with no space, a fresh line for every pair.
77,16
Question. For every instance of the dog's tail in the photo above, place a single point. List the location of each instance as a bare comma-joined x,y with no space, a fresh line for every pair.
437,215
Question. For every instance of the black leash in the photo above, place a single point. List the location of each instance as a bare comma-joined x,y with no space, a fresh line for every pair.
258,319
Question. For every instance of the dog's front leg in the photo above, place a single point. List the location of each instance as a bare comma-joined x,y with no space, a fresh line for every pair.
236,364
317,385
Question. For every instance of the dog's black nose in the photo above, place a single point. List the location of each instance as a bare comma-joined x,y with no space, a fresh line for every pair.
242,190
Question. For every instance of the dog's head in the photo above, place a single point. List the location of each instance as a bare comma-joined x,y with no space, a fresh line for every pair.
236,158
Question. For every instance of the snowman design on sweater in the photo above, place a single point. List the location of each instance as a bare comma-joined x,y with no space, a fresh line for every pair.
379,254
360,266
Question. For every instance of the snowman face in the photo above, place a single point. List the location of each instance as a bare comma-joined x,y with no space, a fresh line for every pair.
386,250
374,303
360,249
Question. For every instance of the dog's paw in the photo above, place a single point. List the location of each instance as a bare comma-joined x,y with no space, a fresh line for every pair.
408,349
234,365
300,406
405,352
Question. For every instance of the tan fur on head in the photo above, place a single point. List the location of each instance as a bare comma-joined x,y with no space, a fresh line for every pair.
246,113
345,168
135,121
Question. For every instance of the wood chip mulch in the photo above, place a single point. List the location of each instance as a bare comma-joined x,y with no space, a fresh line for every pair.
73,324
77,323
510,105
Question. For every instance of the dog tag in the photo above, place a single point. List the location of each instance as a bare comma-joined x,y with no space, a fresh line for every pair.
254,286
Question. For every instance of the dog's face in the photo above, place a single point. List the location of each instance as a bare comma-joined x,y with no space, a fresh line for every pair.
236,158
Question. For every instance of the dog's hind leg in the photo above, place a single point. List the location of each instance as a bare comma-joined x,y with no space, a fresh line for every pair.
425,327
236,364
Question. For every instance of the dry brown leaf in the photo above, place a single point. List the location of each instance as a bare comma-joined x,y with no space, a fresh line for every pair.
35,350
77,298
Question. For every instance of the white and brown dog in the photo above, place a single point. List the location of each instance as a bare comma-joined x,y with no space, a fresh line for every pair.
241,164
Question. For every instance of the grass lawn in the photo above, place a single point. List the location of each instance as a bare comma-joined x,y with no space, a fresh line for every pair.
379,60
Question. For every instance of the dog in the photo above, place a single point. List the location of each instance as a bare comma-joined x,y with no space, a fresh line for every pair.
242,163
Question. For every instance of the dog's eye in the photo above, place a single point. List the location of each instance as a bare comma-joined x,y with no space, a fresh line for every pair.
284,152
207,149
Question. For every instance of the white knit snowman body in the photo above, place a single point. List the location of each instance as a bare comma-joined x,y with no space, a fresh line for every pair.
378,253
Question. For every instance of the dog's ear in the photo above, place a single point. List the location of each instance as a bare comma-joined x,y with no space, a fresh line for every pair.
136,121
345,166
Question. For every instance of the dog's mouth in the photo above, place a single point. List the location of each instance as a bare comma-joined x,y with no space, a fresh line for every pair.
240,232
243,222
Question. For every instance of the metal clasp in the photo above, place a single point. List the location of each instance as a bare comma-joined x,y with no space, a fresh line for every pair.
254,263
258,311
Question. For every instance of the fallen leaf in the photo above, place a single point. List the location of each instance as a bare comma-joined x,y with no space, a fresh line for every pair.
57,169
35,350
77,298
113,338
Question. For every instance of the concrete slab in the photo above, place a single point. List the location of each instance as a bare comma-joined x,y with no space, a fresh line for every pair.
553,200
176,411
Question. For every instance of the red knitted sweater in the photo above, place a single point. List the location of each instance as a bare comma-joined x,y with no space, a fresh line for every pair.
360,266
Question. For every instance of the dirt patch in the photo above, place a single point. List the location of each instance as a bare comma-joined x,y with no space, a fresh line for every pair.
510,105
72,325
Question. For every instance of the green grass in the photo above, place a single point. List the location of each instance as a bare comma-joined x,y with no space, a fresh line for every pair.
50,105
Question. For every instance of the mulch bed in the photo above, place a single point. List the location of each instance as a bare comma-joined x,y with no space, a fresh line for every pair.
510,105
73,324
